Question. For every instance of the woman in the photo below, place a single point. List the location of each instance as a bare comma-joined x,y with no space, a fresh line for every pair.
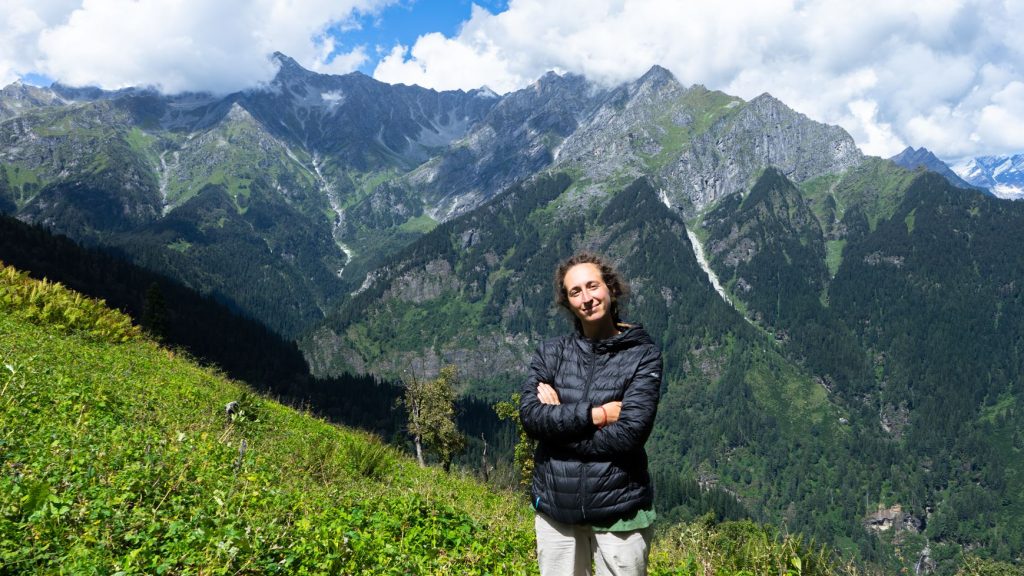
590,401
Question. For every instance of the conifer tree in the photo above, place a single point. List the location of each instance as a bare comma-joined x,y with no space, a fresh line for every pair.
154,312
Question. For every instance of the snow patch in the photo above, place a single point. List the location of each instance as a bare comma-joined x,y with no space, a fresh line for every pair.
1007,192
1006,165
335,97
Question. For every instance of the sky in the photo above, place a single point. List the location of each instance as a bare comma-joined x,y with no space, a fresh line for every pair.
947,75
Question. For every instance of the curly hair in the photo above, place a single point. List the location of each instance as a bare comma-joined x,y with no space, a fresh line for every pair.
617,285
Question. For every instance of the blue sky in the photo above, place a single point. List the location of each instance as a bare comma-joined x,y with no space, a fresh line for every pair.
404,22
947,75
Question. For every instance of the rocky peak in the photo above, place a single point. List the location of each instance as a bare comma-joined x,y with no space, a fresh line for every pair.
912,159
85,93
763,132
238,114
17,98
288,69
553,84
771,107
655,77
553,103
484,92
656,87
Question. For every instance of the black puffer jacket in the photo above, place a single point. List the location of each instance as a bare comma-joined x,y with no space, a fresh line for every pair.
582,474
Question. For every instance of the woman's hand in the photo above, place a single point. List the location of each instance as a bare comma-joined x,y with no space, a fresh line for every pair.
601,416
606,414
546,394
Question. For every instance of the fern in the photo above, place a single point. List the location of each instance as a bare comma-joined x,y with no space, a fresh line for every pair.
51,304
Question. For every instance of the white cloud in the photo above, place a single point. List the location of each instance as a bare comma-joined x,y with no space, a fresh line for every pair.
871,133
449,72
1002,121
21,21
175,45
938,74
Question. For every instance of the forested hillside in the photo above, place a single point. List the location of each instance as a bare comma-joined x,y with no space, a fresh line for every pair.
918,334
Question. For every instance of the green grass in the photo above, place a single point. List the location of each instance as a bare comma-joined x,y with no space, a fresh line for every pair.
420,224
117,457
801,404
877,185
910,219
180,245
707,107
834,255
24,182
1006,403
364,184
142,143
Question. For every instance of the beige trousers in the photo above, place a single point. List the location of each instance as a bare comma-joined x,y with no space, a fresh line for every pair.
568,549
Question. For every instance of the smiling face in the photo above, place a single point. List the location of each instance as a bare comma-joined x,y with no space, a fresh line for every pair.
590,300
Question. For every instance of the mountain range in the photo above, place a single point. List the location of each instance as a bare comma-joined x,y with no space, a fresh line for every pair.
1004,175
858,376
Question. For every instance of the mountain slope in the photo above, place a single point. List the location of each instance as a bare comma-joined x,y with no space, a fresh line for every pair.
118,168
934,294
916,334
243,348
800,414
515,140
120,457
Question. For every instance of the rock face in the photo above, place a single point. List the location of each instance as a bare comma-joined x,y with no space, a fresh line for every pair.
697,145
360,122
621,134
764,132
18,98
514,141
892,519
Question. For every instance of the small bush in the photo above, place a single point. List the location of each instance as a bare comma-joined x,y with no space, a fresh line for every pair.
367,457
736,548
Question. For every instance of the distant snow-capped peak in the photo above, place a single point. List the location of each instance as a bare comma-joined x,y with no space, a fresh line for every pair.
1003,175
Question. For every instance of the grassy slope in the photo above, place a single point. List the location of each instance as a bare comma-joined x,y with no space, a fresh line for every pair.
116,456
120,457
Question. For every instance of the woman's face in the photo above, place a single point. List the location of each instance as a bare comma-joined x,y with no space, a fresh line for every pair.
589,297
